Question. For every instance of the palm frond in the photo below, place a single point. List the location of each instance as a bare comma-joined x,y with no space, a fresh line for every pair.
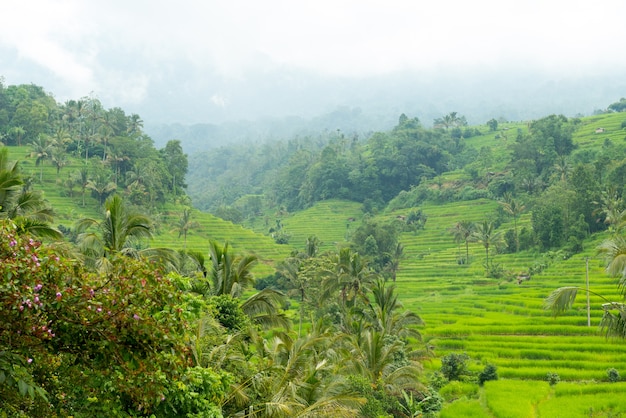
614,320
37,228
264,309
561,299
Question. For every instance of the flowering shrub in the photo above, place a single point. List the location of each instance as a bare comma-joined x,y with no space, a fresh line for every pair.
84,344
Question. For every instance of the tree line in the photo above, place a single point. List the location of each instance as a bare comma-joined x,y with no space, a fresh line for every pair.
117,155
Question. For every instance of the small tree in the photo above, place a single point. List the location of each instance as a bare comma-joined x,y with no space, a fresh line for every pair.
454,366
553,378
490,372
613,375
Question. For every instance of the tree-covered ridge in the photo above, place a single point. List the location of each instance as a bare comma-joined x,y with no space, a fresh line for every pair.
117,154
297,173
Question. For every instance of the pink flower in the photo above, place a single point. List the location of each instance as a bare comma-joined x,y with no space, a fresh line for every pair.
59,295
12,243
136,317
38,287
30,360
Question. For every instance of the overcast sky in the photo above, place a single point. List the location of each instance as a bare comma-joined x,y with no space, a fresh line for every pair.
131,52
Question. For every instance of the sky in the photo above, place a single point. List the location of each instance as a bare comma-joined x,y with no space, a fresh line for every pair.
214,60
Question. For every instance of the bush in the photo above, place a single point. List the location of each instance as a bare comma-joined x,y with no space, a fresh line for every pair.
553,378
494,270
489,373
431,403
613,375
437,380
454,366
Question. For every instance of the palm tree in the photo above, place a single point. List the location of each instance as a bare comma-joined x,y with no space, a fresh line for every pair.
59,158
375,356
612,207
393,265
463,232
42,150
229,275
105,131
486,234
135,124
515,209
185,223
17,132
297,281
118,232
263,309
101,186
296,378
26,208
386,316
562,168
312,246
349,276
82,178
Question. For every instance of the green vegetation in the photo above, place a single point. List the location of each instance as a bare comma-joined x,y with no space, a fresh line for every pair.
416,264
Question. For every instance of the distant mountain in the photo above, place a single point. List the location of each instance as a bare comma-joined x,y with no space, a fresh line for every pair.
286,104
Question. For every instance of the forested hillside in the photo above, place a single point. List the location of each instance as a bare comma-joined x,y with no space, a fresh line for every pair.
403,273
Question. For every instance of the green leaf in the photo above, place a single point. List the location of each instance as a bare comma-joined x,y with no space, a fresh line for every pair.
23,387
561,299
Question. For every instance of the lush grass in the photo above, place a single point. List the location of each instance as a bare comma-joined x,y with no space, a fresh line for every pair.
512,399
465,408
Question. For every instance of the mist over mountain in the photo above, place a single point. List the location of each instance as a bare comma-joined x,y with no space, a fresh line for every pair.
284,104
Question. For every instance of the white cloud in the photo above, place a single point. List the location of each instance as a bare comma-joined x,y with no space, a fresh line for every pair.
120,48
219,100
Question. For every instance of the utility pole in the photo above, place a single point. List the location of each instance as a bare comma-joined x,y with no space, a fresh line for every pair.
588,303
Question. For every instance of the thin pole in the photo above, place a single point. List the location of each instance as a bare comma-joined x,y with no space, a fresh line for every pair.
588,302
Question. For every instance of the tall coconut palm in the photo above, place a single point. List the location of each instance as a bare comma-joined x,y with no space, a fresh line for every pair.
185,223
297,281
487,235
387,316
81,177
463,232
17,132
393,265
118,232
59,158
515,209
41,150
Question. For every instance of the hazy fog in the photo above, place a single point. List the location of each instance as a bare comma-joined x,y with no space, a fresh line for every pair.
216,61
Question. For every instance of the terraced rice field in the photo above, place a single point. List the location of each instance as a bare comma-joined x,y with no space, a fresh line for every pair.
500,321
504,323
